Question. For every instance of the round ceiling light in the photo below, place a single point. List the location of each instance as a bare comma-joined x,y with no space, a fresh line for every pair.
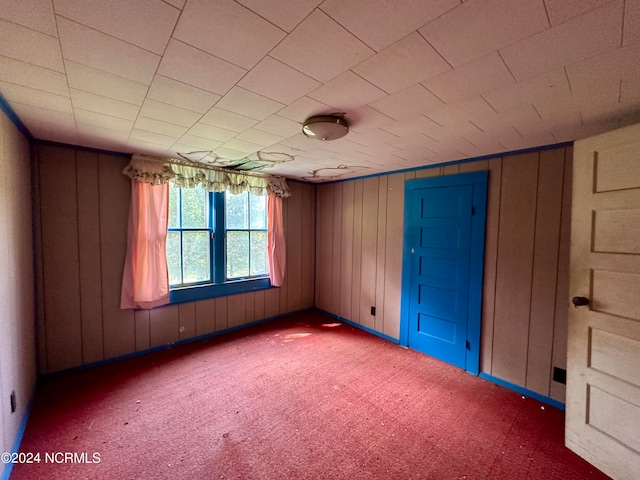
325,127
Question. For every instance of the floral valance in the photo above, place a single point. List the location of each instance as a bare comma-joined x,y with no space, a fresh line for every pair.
158,171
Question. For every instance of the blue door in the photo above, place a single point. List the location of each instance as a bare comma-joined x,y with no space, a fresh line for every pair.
442,270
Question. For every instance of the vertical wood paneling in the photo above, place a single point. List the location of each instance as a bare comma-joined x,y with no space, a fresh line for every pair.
89,255
490,264
294,250
357,250
187,320
164,325
381,252
451,169
336,257
561,325
308,245
271,302
515,264
115,194
393,255
236,310
142,329
258,304
369,245
206,316
477,166
41,329
221,313
250,306
61,261
410,175
346,268
545,264
429,172
324,262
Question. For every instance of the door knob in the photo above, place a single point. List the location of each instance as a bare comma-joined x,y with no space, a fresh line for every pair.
580,301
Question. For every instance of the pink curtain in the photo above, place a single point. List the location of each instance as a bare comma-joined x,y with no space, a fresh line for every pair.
275,240
145,281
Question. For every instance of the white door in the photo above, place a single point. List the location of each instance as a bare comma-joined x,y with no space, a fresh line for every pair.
603,356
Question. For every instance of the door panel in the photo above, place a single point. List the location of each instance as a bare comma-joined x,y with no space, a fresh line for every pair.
603,358
438,266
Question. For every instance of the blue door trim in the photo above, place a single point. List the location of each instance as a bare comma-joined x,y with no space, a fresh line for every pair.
476,267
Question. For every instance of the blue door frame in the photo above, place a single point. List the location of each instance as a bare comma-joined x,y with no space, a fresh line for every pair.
478,183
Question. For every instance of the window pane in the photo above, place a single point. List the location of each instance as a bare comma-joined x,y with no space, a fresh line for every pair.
194,208
237,254
259,253
174,205
236,207
195,255
258,211
173,258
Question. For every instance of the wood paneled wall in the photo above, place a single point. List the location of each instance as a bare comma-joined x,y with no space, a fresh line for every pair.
525,291
17,332
82,205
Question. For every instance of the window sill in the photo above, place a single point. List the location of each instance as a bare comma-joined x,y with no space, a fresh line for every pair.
202,292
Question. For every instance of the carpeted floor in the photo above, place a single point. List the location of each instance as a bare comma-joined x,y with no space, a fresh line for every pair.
301,397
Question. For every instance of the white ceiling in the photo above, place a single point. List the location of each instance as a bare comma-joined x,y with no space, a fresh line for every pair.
420,81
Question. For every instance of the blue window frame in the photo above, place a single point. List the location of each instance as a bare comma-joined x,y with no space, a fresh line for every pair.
216,244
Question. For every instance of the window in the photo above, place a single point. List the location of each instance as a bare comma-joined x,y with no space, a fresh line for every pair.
216,243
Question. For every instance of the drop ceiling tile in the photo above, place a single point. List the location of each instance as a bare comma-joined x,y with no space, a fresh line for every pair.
321,48
592,73
548,85
228,120
95,49
21,43
410,101
347,91
34,14
249,104
108,122
31,115
197,68
243,146
516,117
402,64
304,108
477,28
238,36
168,113
280,82
176,3
478,76
366,117
104,137
283,13
211,132
149,148
631,22
158,126
562,10
181,95
151,137
199,143
460,112
53,131
102,83
37,98
105,105
587,35
228,155
28,75
259,137
375,136
392,20
280,126
411,127
147,24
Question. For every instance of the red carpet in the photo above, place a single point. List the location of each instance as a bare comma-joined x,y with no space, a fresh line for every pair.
302,397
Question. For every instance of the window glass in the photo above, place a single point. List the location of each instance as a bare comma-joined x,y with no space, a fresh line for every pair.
237,211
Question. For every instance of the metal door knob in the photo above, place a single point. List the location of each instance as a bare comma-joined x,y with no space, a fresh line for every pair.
580,301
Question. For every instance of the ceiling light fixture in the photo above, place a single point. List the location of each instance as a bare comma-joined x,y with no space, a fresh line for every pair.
326,127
